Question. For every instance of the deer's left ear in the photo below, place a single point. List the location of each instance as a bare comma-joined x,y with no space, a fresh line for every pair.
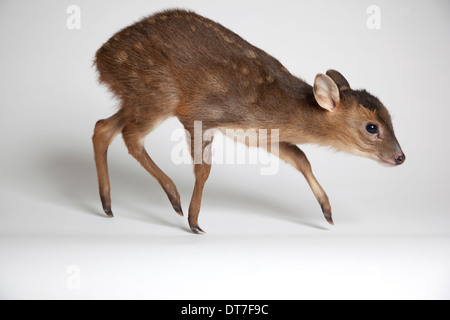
339,79
326,92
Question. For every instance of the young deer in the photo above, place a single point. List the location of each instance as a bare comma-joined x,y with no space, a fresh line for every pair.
177,63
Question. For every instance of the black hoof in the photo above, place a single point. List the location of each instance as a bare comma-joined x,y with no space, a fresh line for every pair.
197,230
328,218
109,213
178,210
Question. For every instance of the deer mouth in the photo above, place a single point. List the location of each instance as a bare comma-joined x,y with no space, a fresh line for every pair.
386,162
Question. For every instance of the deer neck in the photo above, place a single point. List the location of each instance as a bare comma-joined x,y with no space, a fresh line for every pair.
307,122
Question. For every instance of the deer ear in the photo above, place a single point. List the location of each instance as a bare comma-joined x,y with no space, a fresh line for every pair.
326,92
339,79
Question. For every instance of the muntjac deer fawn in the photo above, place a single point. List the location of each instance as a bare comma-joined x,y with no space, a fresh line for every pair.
179,64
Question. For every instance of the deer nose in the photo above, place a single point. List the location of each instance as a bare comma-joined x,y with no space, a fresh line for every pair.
400,158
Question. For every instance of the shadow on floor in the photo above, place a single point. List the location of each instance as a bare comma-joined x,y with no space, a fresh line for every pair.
68,177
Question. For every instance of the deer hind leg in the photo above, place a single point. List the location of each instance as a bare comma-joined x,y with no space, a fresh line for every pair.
295,156
104,133
133,135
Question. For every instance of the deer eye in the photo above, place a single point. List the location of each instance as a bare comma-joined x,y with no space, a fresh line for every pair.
372,128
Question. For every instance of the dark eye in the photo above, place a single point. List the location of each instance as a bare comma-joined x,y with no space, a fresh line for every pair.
372,128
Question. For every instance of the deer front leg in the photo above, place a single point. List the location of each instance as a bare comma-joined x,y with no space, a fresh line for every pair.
201,175
200,151
293,155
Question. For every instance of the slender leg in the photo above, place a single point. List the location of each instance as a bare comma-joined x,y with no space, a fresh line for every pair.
201,171
133,136
201,175
104,133
293,155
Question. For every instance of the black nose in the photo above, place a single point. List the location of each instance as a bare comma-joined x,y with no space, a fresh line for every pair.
400,158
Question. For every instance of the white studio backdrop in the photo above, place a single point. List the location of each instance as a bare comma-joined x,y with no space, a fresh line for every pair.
266,234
